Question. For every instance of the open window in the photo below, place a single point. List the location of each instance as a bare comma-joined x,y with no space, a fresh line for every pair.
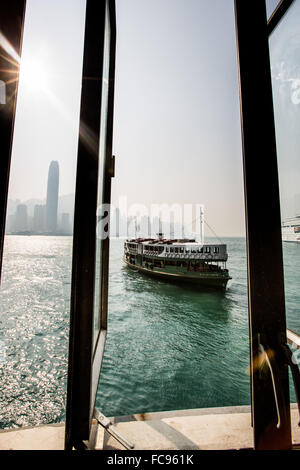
91,238
270,356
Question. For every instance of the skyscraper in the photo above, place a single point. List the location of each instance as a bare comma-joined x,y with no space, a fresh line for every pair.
52,197
21,219
39,218
65,225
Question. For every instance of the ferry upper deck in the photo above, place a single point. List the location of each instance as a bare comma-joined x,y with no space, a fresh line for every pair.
177,248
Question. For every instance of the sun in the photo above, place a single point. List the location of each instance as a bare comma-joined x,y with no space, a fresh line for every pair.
34,74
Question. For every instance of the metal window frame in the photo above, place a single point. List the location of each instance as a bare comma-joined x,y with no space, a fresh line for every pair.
265,264
278,14
11,26
267,322
84,361
109,174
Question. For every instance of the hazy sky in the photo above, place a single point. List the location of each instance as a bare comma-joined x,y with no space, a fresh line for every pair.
47,117
177,124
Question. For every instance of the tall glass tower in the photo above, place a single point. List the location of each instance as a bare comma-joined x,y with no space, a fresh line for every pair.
52,197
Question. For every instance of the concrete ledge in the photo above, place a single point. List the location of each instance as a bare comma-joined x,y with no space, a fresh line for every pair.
49,437
206,429
169,414
203,429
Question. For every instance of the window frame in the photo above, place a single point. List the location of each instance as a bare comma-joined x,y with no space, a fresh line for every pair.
267,322
270,399
85,359
11,26
278,14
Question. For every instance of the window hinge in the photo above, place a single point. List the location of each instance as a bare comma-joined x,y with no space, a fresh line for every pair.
112,430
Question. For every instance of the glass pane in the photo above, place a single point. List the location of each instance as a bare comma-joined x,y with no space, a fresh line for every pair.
36,280
177,140
102,160
285,65
271,6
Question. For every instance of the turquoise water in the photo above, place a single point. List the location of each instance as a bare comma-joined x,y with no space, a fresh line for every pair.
168,347
174,347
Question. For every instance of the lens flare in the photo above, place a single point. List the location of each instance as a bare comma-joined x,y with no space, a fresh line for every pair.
34,74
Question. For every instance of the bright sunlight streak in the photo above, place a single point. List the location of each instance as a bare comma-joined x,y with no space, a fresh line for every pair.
34,74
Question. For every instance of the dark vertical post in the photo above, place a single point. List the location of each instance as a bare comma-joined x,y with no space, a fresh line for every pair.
109,166
109,159
84,239
265,264
11,33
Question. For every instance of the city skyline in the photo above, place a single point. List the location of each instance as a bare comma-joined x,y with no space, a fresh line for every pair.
43,219
52,197
176,119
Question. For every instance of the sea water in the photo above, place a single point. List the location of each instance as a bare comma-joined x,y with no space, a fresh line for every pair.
169,347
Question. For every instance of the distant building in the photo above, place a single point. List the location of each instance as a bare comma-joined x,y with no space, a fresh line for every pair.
39,218
52,197
145,226
156,226
131,226
172,229
117,222
10,223
21,219
65,225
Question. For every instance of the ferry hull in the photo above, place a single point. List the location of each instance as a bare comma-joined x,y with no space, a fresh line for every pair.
201,279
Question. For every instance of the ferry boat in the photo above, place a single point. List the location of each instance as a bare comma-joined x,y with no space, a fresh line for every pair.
179,260
291,230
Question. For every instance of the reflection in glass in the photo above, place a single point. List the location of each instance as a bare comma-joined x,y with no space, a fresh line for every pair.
285,66
271,6
102,158
36,277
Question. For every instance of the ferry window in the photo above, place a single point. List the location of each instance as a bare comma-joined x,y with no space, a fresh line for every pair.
216,249
181,250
